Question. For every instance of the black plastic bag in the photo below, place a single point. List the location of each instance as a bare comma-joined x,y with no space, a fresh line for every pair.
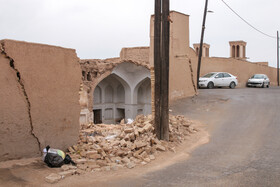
56,157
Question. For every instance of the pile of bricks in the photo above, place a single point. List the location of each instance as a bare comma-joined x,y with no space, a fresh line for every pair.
103,147
106,147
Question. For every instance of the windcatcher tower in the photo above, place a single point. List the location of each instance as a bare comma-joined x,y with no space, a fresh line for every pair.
238,49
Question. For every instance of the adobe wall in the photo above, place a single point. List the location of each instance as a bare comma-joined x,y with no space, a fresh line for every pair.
39,98
139,54
240,68
182,64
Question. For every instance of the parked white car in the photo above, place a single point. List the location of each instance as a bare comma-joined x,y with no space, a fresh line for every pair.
218,79
259,80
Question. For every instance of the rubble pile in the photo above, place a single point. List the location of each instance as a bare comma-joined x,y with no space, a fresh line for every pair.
103,147
106,147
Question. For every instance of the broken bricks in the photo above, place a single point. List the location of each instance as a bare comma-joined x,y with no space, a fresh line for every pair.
109,147
53,178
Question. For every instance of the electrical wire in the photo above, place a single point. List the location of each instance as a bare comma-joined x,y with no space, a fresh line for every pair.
247,21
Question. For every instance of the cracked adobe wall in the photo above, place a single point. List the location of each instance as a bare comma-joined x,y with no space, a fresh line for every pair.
16,139
40,102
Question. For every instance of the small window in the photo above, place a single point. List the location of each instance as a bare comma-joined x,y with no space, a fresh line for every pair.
226,75
89,77
84,74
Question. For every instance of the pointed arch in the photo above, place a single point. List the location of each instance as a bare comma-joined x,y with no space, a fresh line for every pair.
97,96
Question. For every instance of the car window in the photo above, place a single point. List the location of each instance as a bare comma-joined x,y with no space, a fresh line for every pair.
208,75
220,75
257,76
226,75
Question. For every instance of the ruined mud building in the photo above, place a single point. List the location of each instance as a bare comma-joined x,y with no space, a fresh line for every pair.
47,90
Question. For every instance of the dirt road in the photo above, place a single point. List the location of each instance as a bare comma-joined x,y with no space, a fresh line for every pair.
244,147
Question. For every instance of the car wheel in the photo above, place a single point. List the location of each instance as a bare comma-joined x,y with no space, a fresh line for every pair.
263,85
267,85
232,85
210,85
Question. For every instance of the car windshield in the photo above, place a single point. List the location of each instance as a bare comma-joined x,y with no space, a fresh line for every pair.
257,76
208,75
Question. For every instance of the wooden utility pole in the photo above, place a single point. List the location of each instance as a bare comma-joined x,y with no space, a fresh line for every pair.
165,70
277,58
157,66
201,43
161,63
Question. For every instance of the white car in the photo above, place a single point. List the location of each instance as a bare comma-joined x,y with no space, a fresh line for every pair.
218,79
259,80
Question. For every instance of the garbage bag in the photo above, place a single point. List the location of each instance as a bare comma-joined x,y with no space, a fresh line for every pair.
56,158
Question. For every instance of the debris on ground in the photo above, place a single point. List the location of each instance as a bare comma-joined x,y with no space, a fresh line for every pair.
103,147
55,157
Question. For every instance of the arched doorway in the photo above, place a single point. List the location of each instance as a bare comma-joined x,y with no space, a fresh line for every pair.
109,100
143,95
124,94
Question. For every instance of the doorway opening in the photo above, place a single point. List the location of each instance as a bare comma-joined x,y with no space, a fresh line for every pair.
97,116
120,115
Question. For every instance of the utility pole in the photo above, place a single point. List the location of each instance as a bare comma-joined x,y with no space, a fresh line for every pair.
277,58
201,42
157,66
165,70
161,63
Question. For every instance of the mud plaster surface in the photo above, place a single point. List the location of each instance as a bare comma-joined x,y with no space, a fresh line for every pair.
39,105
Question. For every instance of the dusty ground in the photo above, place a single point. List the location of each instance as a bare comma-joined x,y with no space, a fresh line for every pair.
32,172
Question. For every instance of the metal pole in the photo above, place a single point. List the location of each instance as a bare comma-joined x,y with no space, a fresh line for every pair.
165,71
157,67
277,58
201,42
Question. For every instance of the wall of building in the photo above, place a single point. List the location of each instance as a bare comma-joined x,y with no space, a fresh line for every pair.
39,98
182,63
240,68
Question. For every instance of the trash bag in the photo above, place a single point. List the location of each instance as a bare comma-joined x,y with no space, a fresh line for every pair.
68,160
56,158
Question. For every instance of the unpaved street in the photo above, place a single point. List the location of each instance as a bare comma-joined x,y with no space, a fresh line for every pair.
244,147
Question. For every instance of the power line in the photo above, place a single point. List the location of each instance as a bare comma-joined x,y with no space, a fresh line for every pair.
247,21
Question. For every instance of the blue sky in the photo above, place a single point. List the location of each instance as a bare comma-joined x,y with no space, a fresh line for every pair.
100,28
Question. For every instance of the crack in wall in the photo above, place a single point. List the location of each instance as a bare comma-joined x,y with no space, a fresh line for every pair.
20,81
191,69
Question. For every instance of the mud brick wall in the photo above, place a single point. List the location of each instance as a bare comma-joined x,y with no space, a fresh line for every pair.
39,98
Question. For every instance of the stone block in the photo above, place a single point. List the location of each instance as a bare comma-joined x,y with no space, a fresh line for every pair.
130,165
81,161
160,148
125,160
53,178
148,127
152,157
128,130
